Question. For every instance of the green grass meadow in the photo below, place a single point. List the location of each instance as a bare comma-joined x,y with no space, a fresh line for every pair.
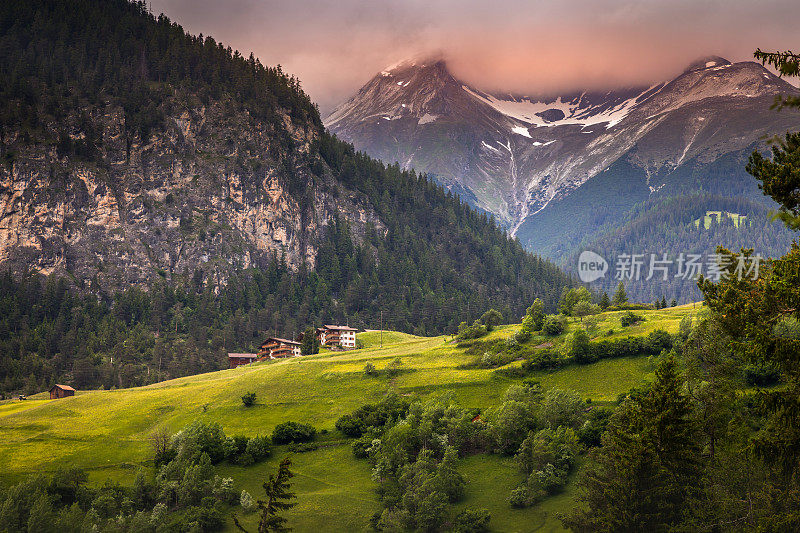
717,216
107,432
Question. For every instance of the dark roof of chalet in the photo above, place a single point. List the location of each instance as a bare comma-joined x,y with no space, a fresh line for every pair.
284,341
243,355
63,387
342,328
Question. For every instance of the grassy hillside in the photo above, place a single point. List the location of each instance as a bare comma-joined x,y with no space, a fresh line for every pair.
106,432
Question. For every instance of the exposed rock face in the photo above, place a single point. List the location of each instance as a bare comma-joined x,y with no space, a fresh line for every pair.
207,194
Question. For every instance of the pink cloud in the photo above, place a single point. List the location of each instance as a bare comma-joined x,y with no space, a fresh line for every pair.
525,46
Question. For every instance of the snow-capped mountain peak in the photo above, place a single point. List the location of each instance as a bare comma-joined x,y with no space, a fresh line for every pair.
513,155
408,89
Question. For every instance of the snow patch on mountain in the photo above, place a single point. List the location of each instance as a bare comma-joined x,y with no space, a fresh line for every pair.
427,118
489,146
520,130
573,111
707,62
396,66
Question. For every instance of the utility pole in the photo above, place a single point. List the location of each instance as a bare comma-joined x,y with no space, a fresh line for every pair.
381,328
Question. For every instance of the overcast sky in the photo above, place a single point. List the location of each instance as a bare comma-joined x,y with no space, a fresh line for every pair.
527,46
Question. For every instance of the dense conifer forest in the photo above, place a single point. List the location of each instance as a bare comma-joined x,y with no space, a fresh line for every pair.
57,53
677,225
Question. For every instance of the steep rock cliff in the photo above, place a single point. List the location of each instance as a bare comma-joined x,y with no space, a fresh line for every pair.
207,194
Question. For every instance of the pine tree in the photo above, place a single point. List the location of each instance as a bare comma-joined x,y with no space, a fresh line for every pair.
648,465
620,297
278,500
310,344
605,302
663,302
622,487
672,434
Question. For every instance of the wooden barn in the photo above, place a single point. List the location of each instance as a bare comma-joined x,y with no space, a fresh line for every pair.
61,391
343,336
239,359
277,348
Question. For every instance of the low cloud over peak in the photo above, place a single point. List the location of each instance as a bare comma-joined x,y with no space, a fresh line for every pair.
518,46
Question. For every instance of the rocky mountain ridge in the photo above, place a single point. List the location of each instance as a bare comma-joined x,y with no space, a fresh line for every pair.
513,156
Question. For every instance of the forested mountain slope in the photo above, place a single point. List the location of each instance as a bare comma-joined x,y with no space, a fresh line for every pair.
682,225
133,153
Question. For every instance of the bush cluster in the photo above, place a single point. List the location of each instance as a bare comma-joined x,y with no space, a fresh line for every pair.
544,432
373,418
414,450
200,438
182,496
543,360
629,319
553,325
249,399
656,342
579,350
481,326
293,432
185,494
415,461
545,458
472,521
